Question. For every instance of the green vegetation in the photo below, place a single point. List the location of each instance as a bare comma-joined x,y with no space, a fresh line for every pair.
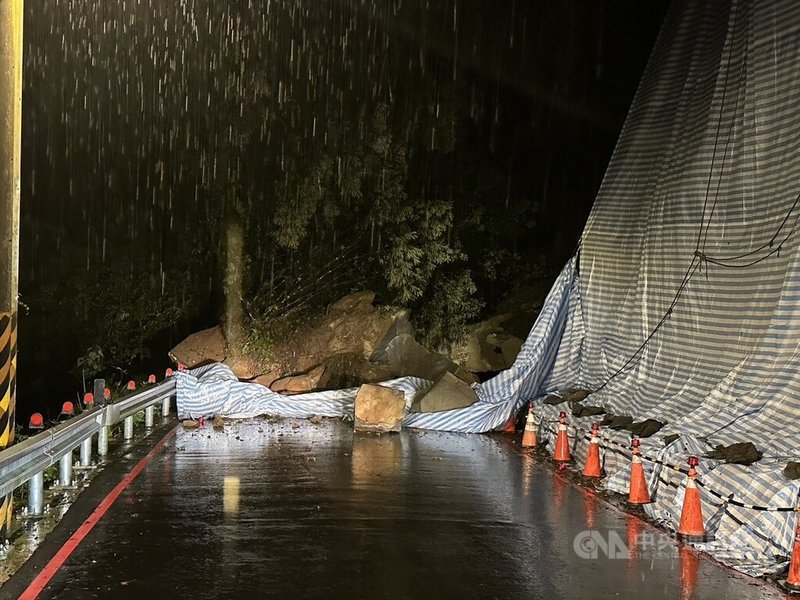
116,312
407,207
379,211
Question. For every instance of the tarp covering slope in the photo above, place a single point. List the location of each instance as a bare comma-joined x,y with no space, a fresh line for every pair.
704,181
688,306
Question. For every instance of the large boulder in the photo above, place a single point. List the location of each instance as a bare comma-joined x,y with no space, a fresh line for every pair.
409,357
379,408
316,379
353,326
246,367
400,326
267,379
447,393
352,370
201,348
355,302
353,336
209,346
338,372
487,346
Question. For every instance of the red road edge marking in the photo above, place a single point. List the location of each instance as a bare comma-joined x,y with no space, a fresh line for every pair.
46,574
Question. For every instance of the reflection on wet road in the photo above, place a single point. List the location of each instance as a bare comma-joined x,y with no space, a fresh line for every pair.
297,510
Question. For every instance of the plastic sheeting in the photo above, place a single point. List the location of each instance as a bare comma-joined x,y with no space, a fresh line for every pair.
215,390
696,226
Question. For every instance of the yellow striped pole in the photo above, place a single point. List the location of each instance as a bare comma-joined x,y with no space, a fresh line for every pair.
11,18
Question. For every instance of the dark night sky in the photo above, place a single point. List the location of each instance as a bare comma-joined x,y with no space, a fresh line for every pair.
130,110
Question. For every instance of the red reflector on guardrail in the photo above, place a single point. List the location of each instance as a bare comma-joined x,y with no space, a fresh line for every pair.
67,409
107,394
36,421
151,379
169,373
131,385
88,398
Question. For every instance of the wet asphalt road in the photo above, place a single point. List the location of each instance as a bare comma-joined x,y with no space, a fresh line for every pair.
296,510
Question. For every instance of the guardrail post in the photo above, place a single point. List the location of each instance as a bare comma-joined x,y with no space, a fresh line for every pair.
149,416
65,470
165,406
102,441
86,452
36,495
127,428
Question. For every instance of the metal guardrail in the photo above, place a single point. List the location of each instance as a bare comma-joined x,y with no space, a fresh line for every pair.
26,461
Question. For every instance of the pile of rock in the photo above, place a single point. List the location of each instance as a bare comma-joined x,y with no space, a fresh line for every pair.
359,344
487,346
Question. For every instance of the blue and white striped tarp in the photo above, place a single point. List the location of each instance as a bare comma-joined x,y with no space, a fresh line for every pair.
214,390
696,225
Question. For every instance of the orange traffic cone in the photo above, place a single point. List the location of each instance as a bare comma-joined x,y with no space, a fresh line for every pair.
793,579
561,453
638,493
691,528
529,437
592,467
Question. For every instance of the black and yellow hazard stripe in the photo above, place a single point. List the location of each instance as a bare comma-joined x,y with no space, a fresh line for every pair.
8,377
5,513
8,388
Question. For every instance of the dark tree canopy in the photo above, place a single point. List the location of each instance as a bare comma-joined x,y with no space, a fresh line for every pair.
436,152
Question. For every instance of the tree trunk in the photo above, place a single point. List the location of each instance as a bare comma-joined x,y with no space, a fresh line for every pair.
233,324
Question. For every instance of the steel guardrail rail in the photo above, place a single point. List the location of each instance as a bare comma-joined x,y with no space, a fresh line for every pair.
20,462
118,411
